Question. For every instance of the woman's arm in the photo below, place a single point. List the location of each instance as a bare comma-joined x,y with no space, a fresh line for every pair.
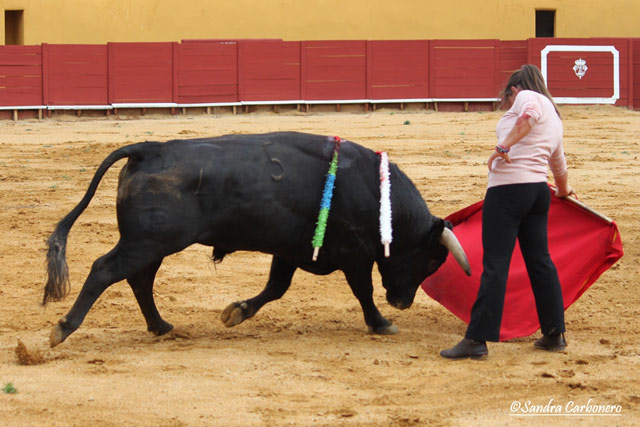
563,189
519,131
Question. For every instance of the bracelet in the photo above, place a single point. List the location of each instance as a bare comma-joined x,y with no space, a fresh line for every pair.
502,149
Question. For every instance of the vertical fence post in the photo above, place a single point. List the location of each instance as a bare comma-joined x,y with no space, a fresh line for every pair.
176,72
630,68
45,74
497,69
110,76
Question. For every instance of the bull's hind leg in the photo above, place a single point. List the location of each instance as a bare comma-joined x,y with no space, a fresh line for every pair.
279,281
113,267
142,285
362,287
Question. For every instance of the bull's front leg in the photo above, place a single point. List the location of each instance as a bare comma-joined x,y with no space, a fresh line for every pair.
279,281
362,287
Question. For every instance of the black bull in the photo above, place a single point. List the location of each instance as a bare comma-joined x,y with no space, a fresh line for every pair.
254,193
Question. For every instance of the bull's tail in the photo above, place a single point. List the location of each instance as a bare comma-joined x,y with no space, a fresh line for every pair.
58,286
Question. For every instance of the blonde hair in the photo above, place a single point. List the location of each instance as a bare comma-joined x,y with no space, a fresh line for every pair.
528,77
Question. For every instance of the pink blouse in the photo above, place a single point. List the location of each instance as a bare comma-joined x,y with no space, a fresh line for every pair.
540,148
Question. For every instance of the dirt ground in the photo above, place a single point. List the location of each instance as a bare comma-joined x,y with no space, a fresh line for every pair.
306,359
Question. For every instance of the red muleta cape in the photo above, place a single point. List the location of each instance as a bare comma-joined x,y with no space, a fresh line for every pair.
583,244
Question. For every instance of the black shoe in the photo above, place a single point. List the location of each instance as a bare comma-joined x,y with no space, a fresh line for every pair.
551,342
476,350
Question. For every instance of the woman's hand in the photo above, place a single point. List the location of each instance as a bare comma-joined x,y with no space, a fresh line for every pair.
563,189
495,155
565,192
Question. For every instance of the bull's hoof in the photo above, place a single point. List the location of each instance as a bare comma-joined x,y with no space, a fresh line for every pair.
234,314
57,335
384,330
162,329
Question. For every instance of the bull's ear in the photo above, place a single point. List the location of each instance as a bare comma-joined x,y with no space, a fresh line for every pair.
435,232
440,224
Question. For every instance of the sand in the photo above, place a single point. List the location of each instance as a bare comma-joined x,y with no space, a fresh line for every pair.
306,359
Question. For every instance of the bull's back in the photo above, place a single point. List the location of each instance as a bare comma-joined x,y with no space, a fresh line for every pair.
238,192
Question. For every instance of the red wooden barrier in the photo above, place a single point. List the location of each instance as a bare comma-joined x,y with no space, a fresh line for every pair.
234,71
269,70
141,73
21,76
75,75
398,69
635,74
513,54
207,72
334,70
464,69
584,71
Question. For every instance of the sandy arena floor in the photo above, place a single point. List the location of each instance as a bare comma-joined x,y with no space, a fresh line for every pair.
306,359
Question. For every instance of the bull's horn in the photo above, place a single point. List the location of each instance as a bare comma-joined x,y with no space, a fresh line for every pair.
450,241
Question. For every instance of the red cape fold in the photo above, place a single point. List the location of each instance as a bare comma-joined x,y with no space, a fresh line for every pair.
582,245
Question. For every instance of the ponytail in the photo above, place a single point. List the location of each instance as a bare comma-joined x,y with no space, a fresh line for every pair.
529,77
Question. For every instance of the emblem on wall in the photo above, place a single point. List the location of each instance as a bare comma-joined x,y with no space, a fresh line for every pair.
580,68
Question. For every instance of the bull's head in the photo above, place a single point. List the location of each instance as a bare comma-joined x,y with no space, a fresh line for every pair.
405,270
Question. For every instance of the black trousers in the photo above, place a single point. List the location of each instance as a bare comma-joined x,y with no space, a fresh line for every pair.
509,212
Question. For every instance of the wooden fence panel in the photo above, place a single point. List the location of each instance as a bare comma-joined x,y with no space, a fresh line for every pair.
398,69
141,73
464,69
604,62
635,73
513,54
334,70
21,76
75,75
207,72
269,70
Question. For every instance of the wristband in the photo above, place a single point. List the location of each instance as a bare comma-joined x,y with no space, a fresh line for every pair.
501,149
